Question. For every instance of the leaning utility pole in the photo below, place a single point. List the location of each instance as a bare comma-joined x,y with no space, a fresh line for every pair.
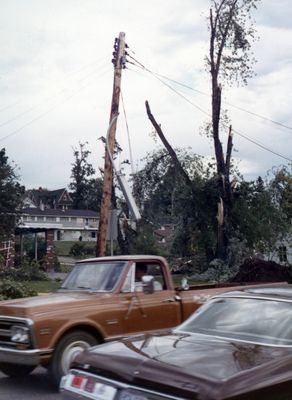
119,64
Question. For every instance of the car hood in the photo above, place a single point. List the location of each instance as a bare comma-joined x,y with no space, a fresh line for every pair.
52,302
185,364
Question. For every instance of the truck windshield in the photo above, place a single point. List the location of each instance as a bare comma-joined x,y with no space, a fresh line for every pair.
94,276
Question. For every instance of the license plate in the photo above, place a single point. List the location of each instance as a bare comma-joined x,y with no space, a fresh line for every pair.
88,387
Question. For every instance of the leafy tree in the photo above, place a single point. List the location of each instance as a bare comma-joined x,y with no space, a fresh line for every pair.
281,189
11,193
231,33
87,190
162,193
94,194
257,218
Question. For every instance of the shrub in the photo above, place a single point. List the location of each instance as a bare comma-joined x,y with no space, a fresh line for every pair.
14,290
28,272
81,249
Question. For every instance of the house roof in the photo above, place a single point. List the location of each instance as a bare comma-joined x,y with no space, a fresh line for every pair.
57,212
58,195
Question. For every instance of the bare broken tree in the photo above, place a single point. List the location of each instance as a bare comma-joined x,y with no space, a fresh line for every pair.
231,33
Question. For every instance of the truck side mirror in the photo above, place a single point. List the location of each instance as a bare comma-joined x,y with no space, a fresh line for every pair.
148,284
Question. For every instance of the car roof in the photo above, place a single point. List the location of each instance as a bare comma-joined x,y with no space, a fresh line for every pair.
271,292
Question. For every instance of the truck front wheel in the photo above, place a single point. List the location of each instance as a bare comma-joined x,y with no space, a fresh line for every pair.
66,350
16,370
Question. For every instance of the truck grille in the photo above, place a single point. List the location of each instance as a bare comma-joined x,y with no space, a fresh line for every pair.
5,327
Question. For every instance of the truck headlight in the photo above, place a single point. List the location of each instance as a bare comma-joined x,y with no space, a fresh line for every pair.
19,334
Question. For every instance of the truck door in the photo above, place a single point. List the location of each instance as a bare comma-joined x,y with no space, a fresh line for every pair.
149,311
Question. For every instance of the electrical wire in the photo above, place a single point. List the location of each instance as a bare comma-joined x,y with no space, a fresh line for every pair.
60,92
227,103
14,132
257,143
128,135
207,95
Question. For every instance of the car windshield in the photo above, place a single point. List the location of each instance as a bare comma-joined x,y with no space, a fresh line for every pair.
94,276
245,319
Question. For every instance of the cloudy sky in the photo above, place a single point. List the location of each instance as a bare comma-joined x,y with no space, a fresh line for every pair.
56,82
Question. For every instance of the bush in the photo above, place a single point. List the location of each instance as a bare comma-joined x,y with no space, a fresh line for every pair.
28,272
14,290
81,249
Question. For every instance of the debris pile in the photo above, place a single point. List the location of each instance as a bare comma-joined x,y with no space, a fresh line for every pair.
257,270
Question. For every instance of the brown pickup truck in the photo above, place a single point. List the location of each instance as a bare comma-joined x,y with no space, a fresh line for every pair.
99,300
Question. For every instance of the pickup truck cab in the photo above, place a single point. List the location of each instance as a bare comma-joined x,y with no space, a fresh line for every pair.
98,301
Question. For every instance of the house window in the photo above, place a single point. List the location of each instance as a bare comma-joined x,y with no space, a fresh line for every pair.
50,219
282,253
93,235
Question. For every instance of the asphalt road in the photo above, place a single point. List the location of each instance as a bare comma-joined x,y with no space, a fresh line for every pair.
32,387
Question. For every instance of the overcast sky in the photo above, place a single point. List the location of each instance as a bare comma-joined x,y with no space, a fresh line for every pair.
56,82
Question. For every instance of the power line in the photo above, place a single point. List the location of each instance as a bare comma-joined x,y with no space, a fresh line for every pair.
208,114
14,132
207,95
171,88
128,135
61,91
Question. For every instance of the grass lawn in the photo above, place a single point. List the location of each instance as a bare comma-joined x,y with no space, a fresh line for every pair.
43,286
63,248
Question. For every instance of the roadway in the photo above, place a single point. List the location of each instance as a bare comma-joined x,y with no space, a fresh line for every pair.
35,386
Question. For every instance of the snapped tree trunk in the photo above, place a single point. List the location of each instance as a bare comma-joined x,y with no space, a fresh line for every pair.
201,225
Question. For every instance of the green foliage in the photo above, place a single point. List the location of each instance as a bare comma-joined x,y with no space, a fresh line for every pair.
44,286
14,290
11,193
232,32
28,246
280,185
28,272
144,242
162,193
87,191
259,216
82,249
63,247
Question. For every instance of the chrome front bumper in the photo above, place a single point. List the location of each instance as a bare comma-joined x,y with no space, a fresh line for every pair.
23,357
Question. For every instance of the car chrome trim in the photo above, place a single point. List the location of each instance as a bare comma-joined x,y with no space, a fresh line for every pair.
120,385
23,357
250,296
226,338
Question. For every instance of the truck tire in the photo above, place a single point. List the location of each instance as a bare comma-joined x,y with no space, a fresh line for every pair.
67,348
16,370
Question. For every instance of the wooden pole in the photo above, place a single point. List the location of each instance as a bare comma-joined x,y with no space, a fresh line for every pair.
119,61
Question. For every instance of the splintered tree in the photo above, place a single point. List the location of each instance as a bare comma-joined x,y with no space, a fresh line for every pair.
231,34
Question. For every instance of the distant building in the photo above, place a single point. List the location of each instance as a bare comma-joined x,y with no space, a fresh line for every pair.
52,210
48,199
67,224
49,213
